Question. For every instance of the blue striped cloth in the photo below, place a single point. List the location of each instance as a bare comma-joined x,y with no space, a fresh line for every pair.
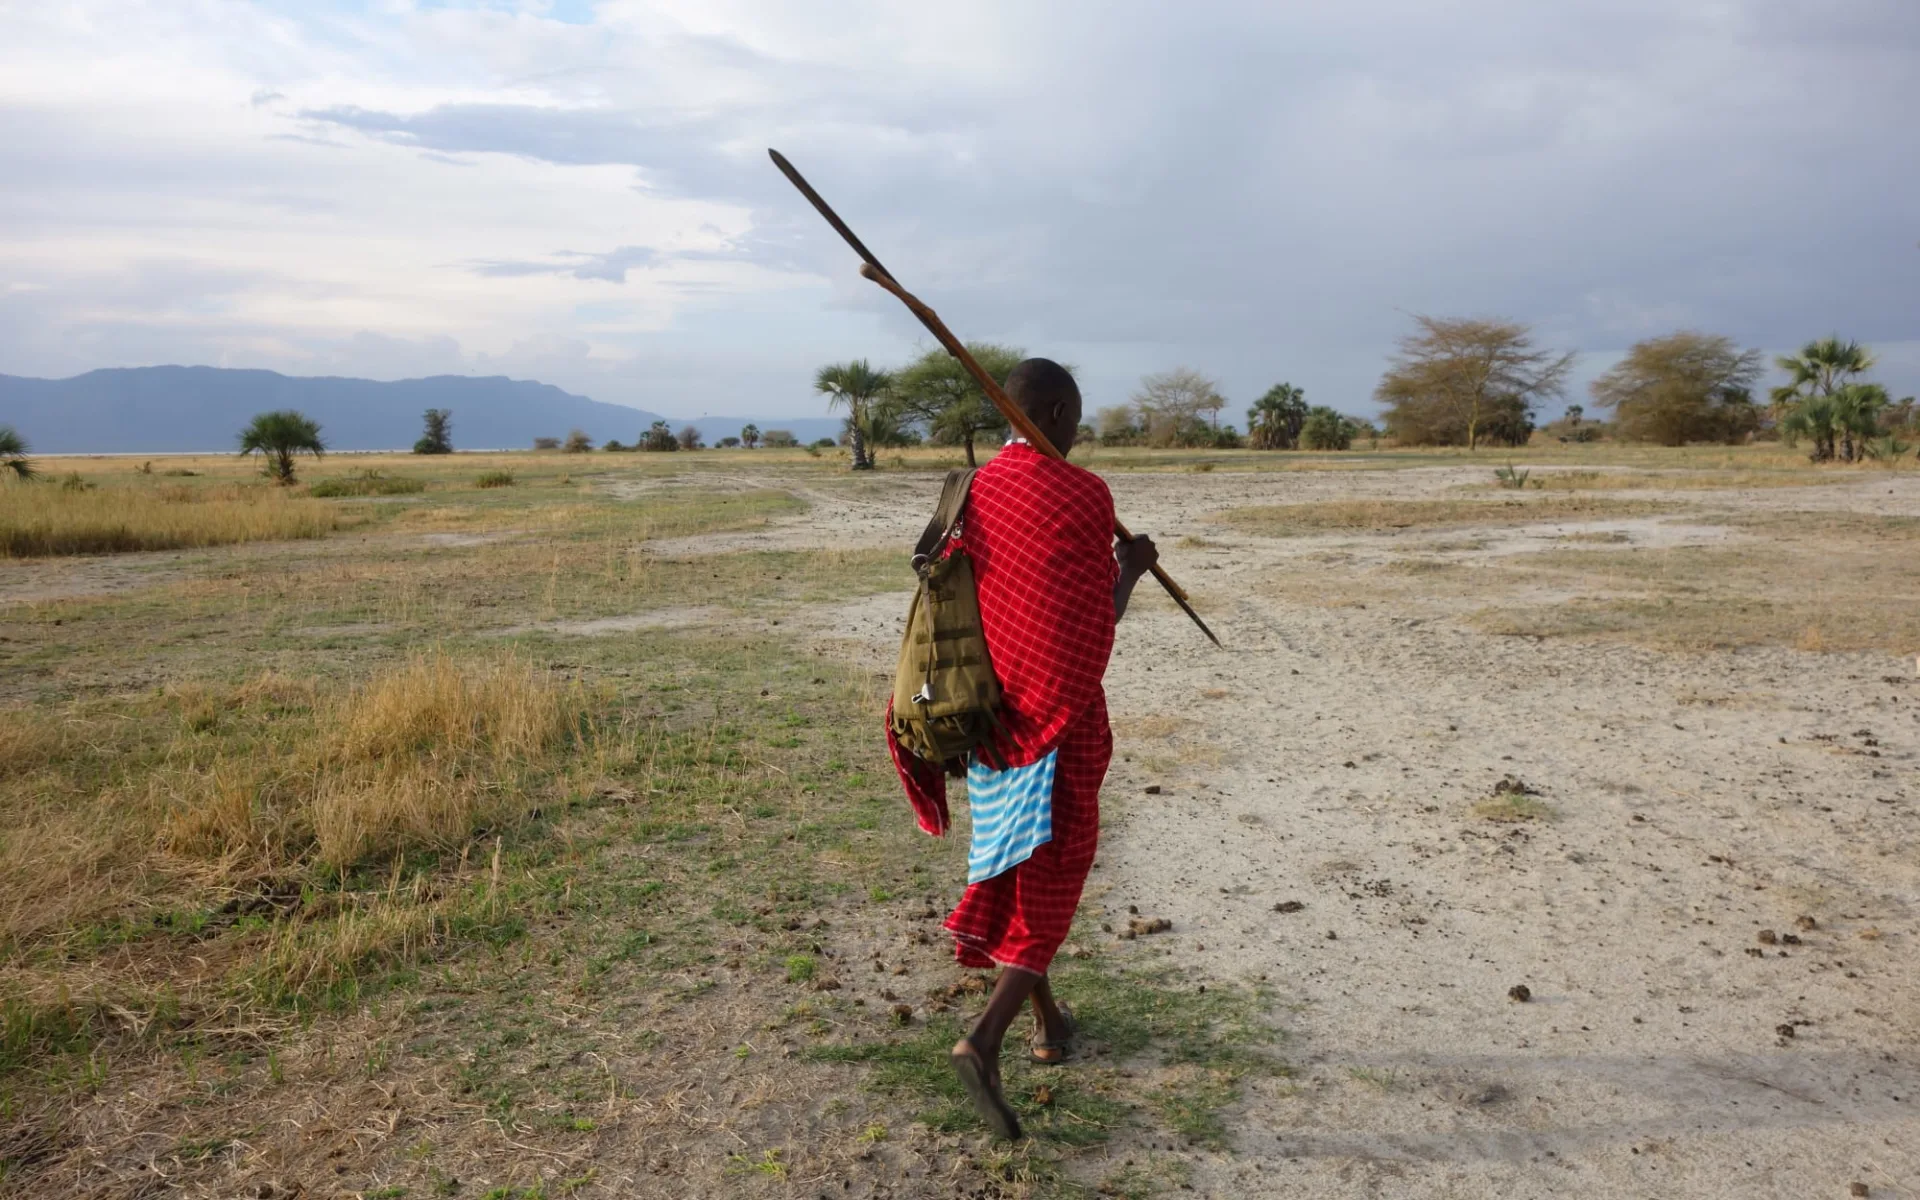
1012,814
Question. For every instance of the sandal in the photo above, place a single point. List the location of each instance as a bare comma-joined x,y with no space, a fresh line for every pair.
1061,1049
984,1091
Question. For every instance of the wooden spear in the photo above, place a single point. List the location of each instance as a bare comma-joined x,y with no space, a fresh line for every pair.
872,269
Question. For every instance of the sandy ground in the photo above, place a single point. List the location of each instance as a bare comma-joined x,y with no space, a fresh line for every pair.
1332,756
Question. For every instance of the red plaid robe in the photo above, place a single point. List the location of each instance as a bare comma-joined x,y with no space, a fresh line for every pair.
1041,535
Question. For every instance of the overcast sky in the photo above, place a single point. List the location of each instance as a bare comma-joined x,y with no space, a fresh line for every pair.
578,191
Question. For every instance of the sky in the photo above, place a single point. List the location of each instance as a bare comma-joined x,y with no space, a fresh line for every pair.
577,191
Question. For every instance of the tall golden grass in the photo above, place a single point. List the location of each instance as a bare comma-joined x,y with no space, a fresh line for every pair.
116,817
421,757
38,519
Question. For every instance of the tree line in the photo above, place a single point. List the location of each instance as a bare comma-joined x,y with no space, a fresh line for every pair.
1470,382
1451,382
934,400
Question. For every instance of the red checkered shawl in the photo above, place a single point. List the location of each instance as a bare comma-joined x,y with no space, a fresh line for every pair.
1041,535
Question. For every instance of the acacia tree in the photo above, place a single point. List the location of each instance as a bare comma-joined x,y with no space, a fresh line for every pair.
1823,369
750,436
1685,387
13,453
935,390
689,438
856,386
1465,380
1170,405
277,437
1274,421
437,438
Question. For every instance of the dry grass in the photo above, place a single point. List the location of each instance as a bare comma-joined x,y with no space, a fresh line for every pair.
203,791
1625,480
38,520
1383,516
424,756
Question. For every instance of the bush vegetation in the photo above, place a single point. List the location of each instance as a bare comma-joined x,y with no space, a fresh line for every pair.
659,438
13,454
437,435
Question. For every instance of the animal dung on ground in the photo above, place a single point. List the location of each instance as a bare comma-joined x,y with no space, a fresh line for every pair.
1288,906
1140,925
1520,993
1767,937
1806,922
1513,785
1153,789
1856,1188
1785,1031
903,1014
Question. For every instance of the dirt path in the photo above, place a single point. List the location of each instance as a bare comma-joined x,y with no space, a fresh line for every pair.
1700,806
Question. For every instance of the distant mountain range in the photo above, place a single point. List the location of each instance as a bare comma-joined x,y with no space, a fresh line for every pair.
177,410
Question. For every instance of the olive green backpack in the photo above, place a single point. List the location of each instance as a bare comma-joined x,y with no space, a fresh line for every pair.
945,696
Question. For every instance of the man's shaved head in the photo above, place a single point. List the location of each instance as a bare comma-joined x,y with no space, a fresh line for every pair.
1046,392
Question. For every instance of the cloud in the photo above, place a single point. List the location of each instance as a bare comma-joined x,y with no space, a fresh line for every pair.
1260,191
611,266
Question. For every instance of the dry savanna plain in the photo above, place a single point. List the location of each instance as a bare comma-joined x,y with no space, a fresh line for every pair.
516,826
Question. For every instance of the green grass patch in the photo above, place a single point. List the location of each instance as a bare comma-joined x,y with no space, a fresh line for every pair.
367,483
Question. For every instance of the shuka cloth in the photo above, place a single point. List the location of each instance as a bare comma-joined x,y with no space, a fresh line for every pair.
1040,532
1012,813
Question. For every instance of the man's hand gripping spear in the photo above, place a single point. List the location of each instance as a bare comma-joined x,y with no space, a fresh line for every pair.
872,269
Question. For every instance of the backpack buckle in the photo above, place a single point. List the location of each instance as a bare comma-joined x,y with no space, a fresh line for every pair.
925,694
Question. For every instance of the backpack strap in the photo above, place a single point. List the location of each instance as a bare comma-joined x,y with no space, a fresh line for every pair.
953,501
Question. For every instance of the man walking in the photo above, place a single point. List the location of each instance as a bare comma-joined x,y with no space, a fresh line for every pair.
1051,585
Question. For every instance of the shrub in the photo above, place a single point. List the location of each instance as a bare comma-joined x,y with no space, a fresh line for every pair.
577,443
1887,448
779,439
659,438
13,453
614,446
546,443
494,479
1509,477
1325,429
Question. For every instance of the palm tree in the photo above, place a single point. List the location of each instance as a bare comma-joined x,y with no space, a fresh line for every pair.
1815,418
749,436
13,453
278,436
1821,368
1857,408
857,386
1274,421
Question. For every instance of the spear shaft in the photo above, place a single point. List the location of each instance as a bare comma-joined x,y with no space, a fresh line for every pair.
994,392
